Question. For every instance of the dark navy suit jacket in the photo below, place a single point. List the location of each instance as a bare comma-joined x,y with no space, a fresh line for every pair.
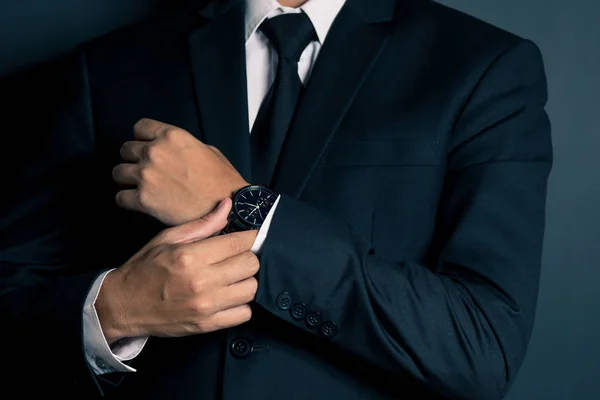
410,228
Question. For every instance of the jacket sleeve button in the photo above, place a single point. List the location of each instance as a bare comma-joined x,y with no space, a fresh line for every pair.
314,319
329,329
298,311
284,301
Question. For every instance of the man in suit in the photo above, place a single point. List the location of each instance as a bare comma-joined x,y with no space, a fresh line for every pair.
378,169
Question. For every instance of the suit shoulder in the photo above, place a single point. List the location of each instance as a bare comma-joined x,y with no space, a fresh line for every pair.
457,32
163,28
127,38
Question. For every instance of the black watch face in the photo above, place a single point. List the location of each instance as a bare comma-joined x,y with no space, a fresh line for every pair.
252,205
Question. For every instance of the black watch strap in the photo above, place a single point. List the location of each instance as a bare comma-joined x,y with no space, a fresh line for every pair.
233,225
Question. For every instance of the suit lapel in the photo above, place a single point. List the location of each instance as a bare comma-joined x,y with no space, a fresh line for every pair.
218,58
351,49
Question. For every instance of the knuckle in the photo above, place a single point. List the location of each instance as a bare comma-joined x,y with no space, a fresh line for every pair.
197,286
182,258
153,153
146,174
203,306
144,199
171,134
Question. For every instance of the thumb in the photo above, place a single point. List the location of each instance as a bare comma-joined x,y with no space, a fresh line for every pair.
202,228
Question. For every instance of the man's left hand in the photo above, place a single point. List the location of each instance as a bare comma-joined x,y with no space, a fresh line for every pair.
174,177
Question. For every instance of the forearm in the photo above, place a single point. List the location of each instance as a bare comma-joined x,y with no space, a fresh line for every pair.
102,353
452,331
459,325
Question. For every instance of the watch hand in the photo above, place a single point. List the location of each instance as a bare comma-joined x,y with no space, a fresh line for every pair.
248,204
256,208
259,213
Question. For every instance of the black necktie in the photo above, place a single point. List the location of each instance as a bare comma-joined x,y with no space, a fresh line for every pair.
289,35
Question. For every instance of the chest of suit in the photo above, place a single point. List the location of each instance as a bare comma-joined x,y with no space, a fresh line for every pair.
366,145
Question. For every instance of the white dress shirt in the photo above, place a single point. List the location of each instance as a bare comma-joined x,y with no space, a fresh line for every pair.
261,67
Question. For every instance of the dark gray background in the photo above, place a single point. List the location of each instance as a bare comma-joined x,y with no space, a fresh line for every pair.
564,357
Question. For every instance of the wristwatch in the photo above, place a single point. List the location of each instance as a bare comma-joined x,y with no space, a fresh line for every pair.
251,205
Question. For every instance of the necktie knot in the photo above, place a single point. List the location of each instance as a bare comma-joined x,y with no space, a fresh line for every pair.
289,34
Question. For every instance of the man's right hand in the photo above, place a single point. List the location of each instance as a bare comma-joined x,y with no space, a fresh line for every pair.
185,281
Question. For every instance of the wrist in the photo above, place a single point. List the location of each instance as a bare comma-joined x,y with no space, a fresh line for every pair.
237,187
109,308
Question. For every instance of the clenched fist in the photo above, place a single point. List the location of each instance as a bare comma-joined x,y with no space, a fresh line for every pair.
185,281
173,176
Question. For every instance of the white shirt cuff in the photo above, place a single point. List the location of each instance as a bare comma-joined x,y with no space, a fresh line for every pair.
101,357
264,230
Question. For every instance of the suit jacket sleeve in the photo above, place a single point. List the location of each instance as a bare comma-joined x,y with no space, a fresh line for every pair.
48,140
461,325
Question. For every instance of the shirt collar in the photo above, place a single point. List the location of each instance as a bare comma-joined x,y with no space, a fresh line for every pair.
322,13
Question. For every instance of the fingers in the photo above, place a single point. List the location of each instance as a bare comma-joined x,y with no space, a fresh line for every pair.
229,318
126,174
128,200
219,248
133,151
238,294
233,303
149,129
236,269
199,229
